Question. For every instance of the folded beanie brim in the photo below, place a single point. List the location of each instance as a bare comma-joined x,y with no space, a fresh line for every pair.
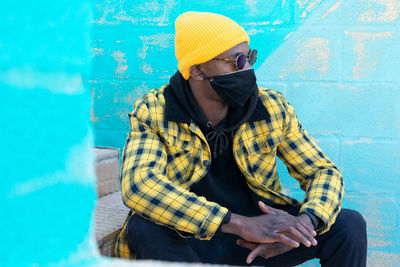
209,36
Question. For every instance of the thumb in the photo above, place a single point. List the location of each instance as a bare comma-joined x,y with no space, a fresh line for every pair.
265,208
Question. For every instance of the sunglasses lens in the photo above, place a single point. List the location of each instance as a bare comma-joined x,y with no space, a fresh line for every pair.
252,57
241,61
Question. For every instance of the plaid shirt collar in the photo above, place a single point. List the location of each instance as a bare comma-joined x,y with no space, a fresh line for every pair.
174,111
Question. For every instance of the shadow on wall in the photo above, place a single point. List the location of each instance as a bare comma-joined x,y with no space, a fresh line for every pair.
338,70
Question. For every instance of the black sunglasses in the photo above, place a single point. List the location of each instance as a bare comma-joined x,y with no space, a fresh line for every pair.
240,60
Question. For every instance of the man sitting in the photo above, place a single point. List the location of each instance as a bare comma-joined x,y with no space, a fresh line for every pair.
199,166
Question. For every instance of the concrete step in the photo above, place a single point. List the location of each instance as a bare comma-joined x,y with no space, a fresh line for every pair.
110,213
107,166
110,216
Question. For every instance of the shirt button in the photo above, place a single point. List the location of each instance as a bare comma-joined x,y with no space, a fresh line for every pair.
206,163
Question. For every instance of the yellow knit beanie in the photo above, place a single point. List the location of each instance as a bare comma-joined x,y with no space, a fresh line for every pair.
201,36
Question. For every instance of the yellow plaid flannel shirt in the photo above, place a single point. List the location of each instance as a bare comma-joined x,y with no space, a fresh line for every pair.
162,159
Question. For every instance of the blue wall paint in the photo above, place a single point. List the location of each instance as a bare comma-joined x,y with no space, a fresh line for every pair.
335,61
133,49
47,189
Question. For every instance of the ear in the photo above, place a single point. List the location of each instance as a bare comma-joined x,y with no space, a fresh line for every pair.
196,73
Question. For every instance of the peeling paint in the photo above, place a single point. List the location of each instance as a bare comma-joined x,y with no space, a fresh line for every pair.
307,6
131,97
122,16
260,23
115,12
107,9
278,22
372,212
160,39
165,76
97,51
122,67
364,65
146,68
374,242
361,140
254,31
374,14
251,4
312,54
121,114
288,36
379,258
93,118
165,6
332,9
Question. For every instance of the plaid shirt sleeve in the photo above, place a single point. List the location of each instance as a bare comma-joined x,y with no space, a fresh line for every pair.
317,174
147,190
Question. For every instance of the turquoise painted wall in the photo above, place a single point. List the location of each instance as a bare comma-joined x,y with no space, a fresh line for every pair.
335,60
47,191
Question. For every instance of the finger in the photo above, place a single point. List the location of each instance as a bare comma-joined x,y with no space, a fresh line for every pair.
286,240
308,226
297,235
270,210
265,208
299,223
256,252
294,228
246,244
306,232
269,250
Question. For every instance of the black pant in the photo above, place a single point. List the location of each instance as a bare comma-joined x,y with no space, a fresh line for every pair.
345,244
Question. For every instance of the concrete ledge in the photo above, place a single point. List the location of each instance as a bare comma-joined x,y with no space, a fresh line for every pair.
110,216
107,165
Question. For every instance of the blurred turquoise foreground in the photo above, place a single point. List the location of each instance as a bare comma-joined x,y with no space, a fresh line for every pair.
70,72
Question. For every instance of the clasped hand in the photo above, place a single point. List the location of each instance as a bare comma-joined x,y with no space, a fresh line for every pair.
273,233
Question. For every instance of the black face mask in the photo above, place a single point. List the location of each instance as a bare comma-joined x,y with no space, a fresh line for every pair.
235,88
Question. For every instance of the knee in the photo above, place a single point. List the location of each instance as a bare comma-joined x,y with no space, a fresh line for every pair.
352,225
136,230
